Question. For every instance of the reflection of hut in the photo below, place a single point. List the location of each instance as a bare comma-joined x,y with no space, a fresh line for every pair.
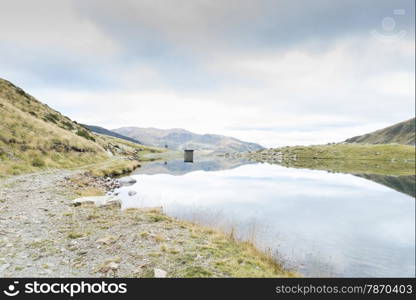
189,156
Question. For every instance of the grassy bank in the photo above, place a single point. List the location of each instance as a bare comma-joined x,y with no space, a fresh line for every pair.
390,159
387,152
180,248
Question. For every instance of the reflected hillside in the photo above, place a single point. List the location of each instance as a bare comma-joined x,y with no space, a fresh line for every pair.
398,177
403,184
179,167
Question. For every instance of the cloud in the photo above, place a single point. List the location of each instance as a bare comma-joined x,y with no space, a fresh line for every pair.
275,72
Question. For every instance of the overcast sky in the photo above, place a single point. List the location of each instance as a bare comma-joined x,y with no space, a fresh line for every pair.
276,72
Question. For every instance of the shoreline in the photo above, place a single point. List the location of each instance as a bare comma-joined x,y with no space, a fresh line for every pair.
43,234
388,159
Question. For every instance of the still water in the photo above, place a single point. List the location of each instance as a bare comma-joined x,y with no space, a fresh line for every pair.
320,223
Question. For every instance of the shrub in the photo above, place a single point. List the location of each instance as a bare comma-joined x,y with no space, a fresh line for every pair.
85,134
50,117
37,162
68,125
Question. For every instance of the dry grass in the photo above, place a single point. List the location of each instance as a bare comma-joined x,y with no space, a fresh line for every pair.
113,167
33,136
183,250
230,257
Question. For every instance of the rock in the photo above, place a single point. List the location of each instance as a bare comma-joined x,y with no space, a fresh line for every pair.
126,181
159,273
139,269
97,200
132,193
4,267
109,266
107,240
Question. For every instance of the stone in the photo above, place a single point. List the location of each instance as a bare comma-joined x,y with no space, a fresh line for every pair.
159,273
126,181
139,269
97,200
107,240
109,266
132,193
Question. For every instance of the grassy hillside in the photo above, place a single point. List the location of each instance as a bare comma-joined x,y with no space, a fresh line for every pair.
33,137
400,133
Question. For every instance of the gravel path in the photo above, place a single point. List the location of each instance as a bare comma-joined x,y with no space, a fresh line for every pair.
43,235
30,210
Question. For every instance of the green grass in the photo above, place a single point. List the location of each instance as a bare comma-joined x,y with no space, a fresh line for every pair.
85,134
112,167
388,159
75,235
385,152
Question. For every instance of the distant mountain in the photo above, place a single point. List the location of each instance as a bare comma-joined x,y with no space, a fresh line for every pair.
179,139
101,130
400,133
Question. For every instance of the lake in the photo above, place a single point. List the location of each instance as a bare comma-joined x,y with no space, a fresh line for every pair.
320,223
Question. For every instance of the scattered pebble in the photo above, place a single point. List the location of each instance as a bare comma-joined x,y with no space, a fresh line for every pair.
159,273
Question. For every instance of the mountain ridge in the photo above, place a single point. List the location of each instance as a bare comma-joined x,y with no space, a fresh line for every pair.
102,130
400,133
180,139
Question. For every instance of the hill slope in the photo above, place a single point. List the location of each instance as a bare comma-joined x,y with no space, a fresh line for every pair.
33,136
402,184
101,130
400,133
179,139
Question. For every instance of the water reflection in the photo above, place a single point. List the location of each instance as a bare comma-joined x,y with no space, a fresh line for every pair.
326,224
402,184
179,167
